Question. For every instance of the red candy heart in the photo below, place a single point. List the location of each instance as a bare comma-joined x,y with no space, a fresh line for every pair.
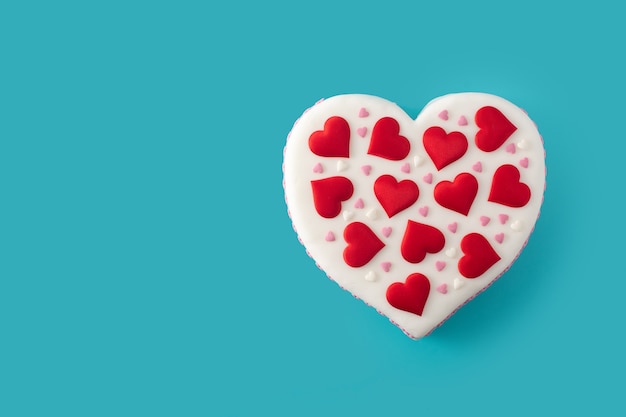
506,188
363,244
334,140
459,194
479,256
395,196
444,148
386,141
328,194
420,239
411,295
495,128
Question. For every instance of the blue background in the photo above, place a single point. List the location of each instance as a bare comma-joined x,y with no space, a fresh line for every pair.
147,262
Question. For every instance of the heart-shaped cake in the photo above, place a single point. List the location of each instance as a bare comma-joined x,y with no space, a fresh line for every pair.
414,217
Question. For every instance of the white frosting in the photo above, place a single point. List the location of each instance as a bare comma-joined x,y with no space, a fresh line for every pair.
370,282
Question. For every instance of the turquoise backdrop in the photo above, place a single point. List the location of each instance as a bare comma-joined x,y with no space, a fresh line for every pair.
147,263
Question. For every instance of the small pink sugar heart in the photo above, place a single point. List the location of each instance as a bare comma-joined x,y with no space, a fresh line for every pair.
462,121
428,178
330,237
440,265
386,231
510,148
443,115
318,168
359,203
503,218
524,162
406,168
484,220
423,211
442,288
499,237
363,112
361,131
386,266
478,167
366,169
452,227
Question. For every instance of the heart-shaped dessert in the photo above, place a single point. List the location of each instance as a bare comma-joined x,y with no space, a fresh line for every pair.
414,217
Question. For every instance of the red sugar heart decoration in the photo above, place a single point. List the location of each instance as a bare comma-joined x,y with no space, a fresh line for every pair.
495,128
507,189
411,295
444,148
459,194
479,256
395,196
334,140
328,193
420,239
363,244
386,141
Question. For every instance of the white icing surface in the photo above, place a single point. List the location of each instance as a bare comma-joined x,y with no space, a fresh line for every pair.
313,229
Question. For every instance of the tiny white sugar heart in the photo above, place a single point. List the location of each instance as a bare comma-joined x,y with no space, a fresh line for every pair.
517,225
450,231
341,165
372,214
457,283
370,276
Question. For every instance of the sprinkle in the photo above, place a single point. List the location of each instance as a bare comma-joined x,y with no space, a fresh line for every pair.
452,227
330,237
423,211
372,214
457,283
451,253
510,148
366,169
342,165
443,288
428,178
359,203
362,131
370,276
386,231
318,168
443,115
363,112
440,265
478,167
348,215
524,162
484,220
499,237
386,266
462,121
406,168
503,218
